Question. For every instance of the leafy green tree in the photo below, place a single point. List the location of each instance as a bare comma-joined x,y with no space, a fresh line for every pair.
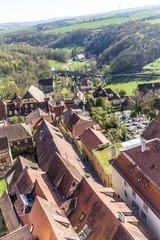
100,102
122,93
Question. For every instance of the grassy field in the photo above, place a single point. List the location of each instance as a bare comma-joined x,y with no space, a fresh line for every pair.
3,186
54,63
143,15
130,85
154,65
154,21
95,24
104,155
77,65
70,47
12,30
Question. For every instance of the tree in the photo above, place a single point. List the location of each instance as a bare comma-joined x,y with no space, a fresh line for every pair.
100,102
122,93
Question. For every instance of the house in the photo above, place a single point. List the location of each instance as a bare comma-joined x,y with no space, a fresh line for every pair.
35,114
32,95
50,140
112,95
36,122
90,140
127,104
78,97
64,106
86,85
152,131
5,153
80,58
79,129
92,56
20,109
19,234
16,98
7,215
20,164
19,136
135,179
146,87
99,214
108,94
10,228
46,222
70,118
100,92
47,85
64,176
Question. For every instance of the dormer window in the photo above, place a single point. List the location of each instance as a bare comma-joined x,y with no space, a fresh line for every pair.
139,177
130,168
145,182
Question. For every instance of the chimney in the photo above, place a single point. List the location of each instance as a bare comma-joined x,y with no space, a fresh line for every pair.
113,152
143,147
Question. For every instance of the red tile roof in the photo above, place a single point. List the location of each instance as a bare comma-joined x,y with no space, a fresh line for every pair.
34,92
92,139
79,129
21,233
147,164
50,140
153,131
36,113
100,205
15,132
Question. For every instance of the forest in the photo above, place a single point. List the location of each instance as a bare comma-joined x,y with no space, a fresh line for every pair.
121,48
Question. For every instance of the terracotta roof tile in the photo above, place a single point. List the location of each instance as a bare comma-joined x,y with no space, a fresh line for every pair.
21,233
13,174
79,129
92,138
14,132
36,113
35,93
153,131
8,212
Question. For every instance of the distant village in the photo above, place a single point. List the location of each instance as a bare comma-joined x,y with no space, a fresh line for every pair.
65,179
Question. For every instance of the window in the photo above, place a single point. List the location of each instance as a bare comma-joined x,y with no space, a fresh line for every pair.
82,217
18,142
143,216
145,206
133,193
135,206
31,229
125,193
26,140
85,232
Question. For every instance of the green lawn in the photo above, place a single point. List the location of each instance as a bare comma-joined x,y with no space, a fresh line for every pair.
95,24
130,85
77,65
143,15
70,47
54,63
3,186
104,155
154,65
154,21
